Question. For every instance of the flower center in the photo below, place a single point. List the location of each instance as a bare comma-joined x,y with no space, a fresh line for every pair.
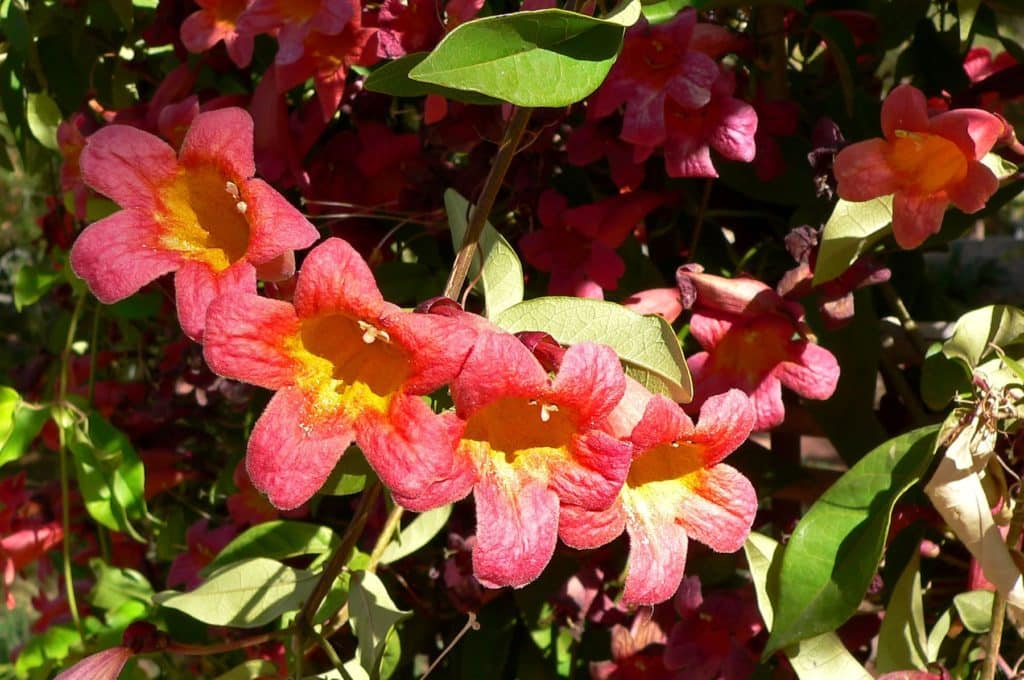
750,350
515,427
205,217
351,363
664,463
927,163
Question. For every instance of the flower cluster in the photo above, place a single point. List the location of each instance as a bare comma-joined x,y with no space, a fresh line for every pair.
560,447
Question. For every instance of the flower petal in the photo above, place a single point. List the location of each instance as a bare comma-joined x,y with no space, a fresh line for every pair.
244,339
657,554
412,450
479,384
916,217
127,165
437,346
663,421
725,422
688,157
718,507
105,665
593,476
973,130
812,371
290,453
587,529
277,227
973,191
734,135
200,32
196,285
590,381
630,409
863,172
120,254
224,138
644,121
691,87
766,398
516,527
335,278
904,109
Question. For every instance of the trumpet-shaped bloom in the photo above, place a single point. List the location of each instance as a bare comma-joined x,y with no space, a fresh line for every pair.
198,213
346,366
677,488
926,163
294,20
755,341
529,443
215,21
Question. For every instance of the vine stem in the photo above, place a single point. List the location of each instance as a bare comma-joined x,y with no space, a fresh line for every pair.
903,314
467,249
338,560
995,635
62,455
229,646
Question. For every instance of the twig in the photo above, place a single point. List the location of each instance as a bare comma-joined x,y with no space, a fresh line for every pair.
506,150
470,624
909,325
995,635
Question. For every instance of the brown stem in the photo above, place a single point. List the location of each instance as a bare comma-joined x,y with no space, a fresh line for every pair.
385,537
903,314
342,554
467,250
995,635
228,646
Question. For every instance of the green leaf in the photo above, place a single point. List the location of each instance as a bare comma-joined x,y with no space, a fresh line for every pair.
999,166
349,475
902,639
393,78
966,11
842,51
647,345
114,586
250,670
502,277
417,534
832,555
20,422
976,330
277,539
244,595
851,231
941,378
373,614
43,118
975,609
31,283
823,656
110,475
548,57
938,633
52,646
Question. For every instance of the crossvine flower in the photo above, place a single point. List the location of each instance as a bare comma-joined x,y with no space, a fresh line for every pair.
199,213
677,489
346,365
925,163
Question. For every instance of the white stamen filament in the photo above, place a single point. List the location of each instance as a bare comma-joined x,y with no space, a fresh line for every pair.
232,190
241,207
546,410
371,333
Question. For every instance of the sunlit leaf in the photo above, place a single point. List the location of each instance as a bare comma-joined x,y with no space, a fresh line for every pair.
902,639
373,614
277,539
393,78
548,57
819,585
646,345
245,594
250,670
417,534
975,609
502,276
115,585
851,231
43,118
20,422
31,283
977,330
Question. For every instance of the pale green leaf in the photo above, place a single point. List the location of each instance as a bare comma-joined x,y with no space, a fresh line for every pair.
999,166
975,609
902,639
818,657
977,330
646,345
373,614
938,634
393,78
548,57
115,586
277,539
245,594
502,276
250,670
43,118
20,422
31,283
852,230
417,534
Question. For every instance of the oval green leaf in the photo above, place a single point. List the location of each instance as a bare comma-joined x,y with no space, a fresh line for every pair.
417,534
20,422
43,118
976,331
393,78
502,277
851,231
975,609
277,539
903,639
646,345
823,656
373,614
548,57
244,595
834,551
